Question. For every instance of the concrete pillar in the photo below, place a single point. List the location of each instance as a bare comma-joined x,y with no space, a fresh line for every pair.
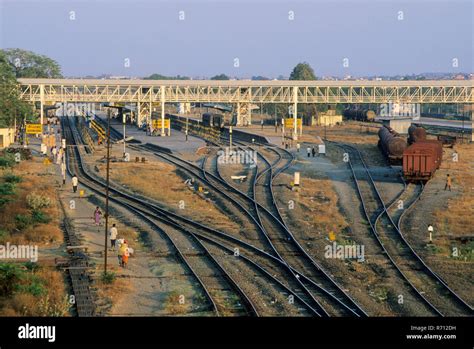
295,113
472,123
249,113
162,100
239,118
42,106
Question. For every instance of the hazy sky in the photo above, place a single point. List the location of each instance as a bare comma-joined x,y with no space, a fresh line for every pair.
150,34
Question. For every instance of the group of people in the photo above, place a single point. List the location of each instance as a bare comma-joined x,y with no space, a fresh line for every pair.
123,249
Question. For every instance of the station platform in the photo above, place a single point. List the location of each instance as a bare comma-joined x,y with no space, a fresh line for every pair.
176,142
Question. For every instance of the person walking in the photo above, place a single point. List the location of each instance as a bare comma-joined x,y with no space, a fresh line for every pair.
126,254
298,146
448,182
121,253
313,151
308,150
97,215
75,181
55,152
261,123
113,232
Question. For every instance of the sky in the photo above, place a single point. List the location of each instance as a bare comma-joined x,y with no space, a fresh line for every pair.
243,38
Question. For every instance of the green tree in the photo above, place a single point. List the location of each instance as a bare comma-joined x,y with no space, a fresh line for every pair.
303,71
11,105
163,77
220,77
27,64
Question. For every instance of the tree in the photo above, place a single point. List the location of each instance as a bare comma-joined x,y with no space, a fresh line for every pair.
259,78
11,105
220,77
27,64
302,71
163,77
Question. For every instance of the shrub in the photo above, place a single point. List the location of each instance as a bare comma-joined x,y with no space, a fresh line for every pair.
10,275
22,221
7,160
108,277
37,202
11,178
48,307
39,217
7,189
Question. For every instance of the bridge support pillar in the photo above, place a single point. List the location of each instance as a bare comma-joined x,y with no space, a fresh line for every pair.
162,100
42,107
472,123
244,114
295,113
143,112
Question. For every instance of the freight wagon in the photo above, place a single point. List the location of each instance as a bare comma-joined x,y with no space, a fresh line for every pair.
359,114
213,120
416,134
392,145
421,160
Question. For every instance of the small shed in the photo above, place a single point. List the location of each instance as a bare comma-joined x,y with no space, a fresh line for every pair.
7,137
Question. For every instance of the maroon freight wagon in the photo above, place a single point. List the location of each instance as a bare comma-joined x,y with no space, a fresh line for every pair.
421,160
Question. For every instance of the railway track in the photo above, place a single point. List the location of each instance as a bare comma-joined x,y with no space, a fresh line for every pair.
429,288
241,201
263,185
212,271
147,209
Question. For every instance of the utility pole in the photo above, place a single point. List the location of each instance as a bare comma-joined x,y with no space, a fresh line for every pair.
107,195
187,128
123,120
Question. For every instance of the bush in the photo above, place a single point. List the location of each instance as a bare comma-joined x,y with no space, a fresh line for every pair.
39,217
37,202
22,221
11,178
7,189
10,276
35,288
7,160
108,277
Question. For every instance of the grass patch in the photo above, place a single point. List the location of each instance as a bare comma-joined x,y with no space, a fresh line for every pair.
28,289
108,278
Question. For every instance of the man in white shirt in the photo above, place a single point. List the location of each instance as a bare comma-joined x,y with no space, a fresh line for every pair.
113,236
74,183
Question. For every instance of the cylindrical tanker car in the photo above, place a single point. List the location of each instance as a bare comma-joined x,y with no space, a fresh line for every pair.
392,145
359,114
416,134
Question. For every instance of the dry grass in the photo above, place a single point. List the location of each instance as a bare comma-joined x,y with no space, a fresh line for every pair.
458,219
52,301
318,203
349,132
161,182
114,292
35,179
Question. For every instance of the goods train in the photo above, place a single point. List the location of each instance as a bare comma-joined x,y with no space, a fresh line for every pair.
359,114
212,120
416,134
421,160
392,145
